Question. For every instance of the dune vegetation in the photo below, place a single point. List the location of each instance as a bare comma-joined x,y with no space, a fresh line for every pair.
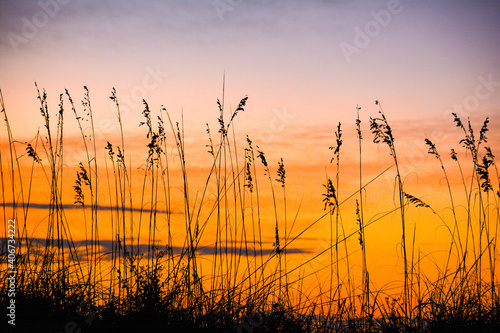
205,266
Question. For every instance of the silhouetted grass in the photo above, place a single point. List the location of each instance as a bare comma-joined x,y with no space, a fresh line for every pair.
63,284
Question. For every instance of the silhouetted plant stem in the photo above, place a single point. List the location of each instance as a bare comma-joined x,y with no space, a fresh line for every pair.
383,134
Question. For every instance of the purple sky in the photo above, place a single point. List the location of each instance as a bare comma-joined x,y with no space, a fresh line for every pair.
420,61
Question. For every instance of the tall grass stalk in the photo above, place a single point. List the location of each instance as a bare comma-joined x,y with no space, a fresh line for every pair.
383,134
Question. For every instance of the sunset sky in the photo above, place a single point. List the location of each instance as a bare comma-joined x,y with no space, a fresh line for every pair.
305,66
425,57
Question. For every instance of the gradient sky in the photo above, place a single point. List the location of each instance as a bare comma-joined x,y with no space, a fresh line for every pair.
424,61
282,54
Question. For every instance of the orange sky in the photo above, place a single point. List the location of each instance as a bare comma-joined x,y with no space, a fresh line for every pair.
307,164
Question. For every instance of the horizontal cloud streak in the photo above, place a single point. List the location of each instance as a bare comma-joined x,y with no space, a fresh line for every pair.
99,207
107,246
